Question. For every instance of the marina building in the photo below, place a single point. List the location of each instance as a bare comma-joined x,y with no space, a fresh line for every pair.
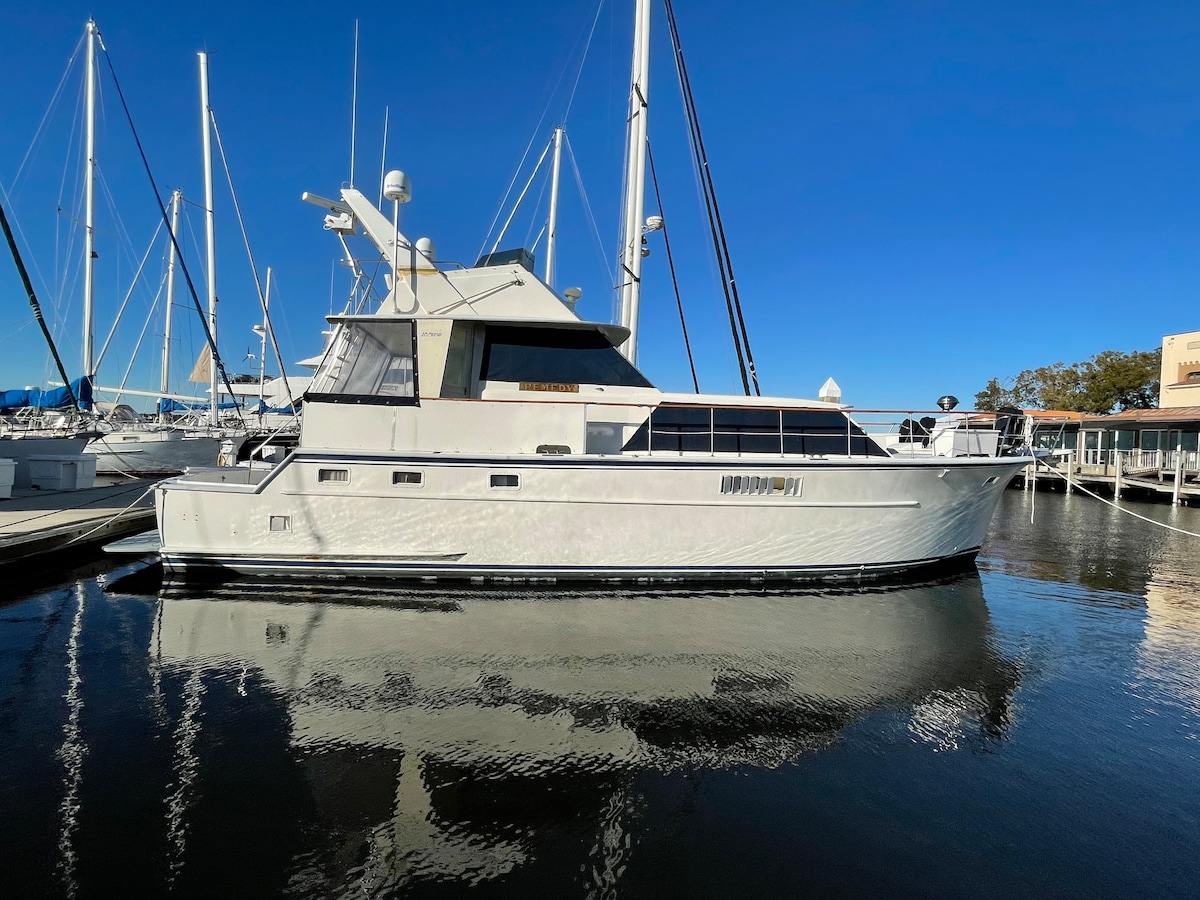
1150,450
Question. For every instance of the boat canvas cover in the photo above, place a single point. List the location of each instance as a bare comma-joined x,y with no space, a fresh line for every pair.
169,406
55,398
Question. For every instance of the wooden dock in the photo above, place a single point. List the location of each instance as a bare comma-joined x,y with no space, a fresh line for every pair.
35,524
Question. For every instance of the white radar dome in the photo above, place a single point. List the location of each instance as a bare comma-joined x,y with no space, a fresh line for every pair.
425,247
397,187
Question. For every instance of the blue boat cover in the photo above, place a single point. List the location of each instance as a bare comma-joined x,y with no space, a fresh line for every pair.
55,398
170,406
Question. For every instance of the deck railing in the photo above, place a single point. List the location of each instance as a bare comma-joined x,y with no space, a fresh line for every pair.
752,430
1133,462
790,431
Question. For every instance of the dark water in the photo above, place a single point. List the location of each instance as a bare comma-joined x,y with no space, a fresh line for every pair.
1030,730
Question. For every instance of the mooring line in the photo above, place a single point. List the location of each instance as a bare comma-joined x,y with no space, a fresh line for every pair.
108,522
84,505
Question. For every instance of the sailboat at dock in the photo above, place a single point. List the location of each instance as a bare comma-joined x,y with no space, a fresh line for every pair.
36,423
476,428
128,444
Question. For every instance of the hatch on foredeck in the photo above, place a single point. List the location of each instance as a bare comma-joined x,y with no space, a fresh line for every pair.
520,256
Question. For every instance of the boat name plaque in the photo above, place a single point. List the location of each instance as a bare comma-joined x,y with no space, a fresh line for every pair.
551,386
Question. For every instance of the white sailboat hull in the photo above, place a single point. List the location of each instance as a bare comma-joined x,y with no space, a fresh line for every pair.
583,518
157,452
21,449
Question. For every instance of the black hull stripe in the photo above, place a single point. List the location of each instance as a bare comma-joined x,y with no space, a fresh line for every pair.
189,566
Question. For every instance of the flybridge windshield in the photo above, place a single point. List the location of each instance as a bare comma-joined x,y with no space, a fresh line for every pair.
559,355
369,362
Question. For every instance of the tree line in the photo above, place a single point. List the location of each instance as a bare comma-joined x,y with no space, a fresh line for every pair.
1108,382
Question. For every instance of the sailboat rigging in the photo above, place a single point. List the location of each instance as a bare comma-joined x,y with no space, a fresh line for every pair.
131,446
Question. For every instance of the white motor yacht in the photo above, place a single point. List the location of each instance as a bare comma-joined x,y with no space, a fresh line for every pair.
475,427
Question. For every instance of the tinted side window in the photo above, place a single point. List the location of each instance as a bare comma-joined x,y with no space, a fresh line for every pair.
822,432
733,430
573,356
746,431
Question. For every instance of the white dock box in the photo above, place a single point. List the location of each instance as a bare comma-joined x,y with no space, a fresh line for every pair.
8,474
63,473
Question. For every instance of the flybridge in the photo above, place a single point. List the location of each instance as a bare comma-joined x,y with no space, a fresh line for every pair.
374,359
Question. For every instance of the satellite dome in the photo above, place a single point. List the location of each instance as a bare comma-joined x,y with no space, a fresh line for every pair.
397,187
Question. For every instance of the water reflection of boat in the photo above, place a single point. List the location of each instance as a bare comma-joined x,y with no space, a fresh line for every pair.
1169,655
479,718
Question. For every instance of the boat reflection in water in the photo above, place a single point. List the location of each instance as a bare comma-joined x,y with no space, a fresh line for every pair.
489,726
1169,655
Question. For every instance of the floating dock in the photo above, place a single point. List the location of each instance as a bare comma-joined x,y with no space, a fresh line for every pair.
37,523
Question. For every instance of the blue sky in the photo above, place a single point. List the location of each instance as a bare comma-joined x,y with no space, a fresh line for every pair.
918,196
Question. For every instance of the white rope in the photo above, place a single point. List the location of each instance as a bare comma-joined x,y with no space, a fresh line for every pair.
1115,506
108,522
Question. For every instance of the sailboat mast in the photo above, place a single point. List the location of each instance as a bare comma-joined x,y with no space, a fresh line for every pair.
635,179
262,350
210,236
164,383
89,215
552,228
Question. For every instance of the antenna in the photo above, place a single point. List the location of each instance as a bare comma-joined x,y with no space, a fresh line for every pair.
383,157
354,104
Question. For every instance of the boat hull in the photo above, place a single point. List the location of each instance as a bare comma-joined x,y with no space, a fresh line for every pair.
21,449
164,452
582,519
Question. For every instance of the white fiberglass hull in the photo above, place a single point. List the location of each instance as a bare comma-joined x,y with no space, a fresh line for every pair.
157,451
629,518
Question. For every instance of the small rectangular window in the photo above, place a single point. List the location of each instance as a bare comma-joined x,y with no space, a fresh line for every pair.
407,478
281,523
508,481
333,476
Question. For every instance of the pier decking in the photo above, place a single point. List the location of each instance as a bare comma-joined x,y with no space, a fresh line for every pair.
38,523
